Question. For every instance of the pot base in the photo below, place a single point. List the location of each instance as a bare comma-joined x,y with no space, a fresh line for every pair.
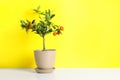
43,70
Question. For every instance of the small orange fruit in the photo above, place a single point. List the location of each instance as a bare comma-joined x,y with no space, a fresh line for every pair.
61,28
30,25
55,33
58,33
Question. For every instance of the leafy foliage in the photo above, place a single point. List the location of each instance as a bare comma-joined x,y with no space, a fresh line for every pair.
44,26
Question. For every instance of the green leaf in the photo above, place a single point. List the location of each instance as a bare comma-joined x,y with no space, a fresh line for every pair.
48,23
42,13
38,8
28,21
50,30
33,21
35,10
55,26
47,15
22,22
52,16
23,25
49,12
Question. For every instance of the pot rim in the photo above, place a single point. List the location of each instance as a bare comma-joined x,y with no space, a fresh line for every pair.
46,50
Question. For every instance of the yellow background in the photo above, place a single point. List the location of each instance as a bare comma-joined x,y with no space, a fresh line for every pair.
91,37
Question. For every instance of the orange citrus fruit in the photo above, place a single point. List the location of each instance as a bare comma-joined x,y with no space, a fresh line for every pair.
61,28
55,33
30,25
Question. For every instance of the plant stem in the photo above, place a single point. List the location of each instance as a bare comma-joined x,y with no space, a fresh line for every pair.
43,43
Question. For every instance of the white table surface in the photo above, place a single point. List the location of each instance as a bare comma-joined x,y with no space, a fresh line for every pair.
62,74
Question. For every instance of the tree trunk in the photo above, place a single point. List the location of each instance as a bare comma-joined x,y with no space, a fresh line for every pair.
43,43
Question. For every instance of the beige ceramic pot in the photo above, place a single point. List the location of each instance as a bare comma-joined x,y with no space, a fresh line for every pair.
45,60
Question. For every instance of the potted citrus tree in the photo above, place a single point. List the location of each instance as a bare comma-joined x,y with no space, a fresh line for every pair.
45,58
